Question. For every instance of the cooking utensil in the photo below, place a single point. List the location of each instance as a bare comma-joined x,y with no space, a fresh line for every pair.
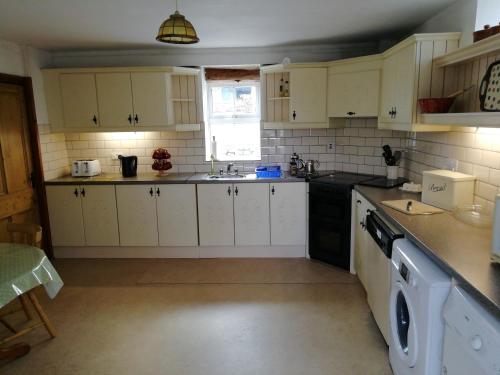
311,166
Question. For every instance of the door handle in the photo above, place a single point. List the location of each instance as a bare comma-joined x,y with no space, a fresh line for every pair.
82,192
229,190
130,119
136,119
76,192
94,119
158,191
151,192
272,190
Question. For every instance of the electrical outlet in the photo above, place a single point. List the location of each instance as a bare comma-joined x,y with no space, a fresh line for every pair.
331,147
114,155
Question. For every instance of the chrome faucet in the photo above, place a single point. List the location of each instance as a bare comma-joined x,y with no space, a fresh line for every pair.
229,166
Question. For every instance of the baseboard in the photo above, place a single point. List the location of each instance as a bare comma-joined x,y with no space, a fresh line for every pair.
180,252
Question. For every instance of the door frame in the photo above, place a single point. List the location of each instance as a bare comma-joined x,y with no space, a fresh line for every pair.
38,179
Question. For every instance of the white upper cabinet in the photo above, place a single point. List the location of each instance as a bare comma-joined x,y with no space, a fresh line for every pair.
150,95
114,94
100,217
408,74
251,214
177,215
308,95
288,213
353,87
137,215
215,213
65,214
79,100
122,99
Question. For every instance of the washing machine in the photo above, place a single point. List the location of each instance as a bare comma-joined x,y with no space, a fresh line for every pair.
419,290
471,337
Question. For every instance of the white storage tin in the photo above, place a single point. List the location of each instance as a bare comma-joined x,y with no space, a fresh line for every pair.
447,189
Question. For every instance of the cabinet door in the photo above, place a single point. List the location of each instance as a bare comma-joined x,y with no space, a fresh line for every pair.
288,213
79,100
114,93
308,95
215,212
398,81
251,215
65,215
353,94
177,216
150,96
137,215
100,217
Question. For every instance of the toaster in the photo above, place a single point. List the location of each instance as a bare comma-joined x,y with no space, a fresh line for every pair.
85,168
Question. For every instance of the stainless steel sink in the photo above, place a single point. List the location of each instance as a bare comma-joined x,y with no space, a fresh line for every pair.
226,176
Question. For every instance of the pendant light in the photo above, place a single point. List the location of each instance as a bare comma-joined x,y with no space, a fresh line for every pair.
177,30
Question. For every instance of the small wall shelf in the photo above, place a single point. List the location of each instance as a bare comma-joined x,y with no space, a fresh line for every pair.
472,119
182,100
483,47
280,98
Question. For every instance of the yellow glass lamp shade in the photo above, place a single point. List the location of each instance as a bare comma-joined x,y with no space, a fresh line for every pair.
177,30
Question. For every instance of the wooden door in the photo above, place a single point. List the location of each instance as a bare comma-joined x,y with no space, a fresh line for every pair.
100,217
79,100
177,215
65,213
17,197
288,213
308,95
215,212
114,95
149,90
251,215
137,215
353,94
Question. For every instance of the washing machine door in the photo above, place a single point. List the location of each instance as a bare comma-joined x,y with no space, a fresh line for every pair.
403,325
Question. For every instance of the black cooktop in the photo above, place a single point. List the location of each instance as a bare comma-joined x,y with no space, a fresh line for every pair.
342,178
384,182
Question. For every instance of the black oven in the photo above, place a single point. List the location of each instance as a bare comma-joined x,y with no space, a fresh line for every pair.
330,217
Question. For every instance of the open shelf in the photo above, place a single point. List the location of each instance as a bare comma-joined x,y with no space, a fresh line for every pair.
280,98
473,119
483,47
182,100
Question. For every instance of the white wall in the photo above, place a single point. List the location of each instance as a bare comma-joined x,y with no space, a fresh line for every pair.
212,56
21,60
460,16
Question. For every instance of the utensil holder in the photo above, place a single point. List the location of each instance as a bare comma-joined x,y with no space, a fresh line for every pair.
392,172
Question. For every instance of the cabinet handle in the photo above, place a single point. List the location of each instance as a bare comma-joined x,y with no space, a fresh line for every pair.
94,119
76,192
272,190
294,115
82,192
151,192
358,201
136,119
229,190
130,119
236,190
158,191
395,112
351,113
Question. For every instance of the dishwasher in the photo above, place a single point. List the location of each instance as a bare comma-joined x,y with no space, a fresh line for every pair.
378,254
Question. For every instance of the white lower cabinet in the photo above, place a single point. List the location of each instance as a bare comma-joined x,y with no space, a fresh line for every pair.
251,215
137,215
100,219
215,213
362,239
177,216
288,213
65,214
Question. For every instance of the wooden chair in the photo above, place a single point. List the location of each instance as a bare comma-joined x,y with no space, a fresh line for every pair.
29,234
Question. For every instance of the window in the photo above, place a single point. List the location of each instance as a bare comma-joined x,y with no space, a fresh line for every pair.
234,120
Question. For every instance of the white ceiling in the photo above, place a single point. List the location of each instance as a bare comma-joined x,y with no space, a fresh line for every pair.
91,24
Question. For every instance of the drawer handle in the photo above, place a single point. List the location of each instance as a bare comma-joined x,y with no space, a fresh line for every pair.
158,191
151,192
358,201
272,190
94,119
351,113
294,114
229,191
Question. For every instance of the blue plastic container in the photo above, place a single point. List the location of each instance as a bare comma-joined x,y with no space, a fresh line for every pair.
271,171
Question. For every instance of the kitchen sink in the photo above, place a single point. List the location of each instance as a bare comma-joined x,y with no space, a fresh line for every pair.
226,176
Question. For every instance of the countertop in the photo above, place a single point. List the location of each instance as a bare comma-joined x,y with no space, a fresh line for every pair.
172,178
461,250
